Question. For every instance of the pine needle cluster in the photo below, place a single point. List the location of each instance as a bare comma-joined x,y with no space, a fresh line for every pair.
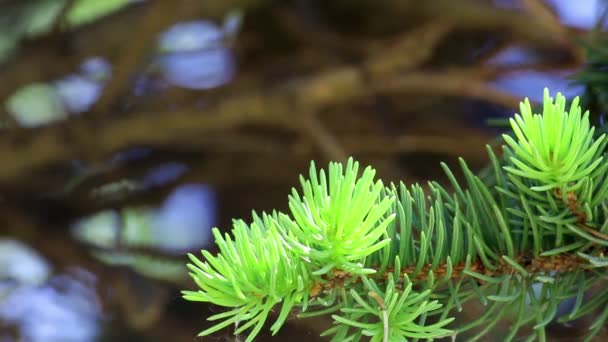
396,262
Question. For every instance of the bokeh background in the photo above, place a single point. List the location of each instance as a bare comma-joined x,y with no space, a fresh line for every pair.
128,129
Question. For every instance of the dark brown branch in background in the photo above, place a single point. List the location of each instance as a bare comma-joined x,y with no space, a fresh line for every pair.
33,148
30,149
100,38
138,45
324,140
394,67
30,64
59,23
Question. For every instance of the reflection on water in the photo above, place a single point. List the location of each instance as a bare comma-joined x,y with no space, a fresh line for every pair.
62,308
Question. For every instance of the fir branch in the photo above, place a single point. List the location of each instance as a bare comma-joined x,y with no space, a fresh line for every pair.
394,262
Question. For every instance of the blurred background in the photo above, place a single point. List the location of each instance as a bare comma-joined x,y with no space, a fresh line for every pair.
130,128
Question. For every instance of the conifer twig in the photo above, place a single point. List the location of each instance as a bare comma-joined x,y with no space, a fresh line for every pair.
418,255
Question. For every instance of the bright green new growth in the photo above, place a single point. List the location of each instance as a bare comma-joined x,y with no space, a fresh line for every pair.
277,259
396,263
252,273
338,224
557,148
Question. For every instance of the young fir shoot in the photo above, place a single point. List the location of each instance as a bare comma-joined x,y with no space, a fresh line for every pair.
396,263
556,148
252,274
337,224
